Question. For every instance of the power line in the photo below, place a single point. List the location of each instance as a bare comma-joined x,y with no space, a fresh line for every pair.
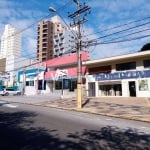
118,26
35,23
126,40
120,31
70,51
129,34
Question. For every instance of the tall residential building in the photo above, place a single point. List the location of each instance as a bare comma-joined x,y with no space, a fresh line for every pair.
10,42
64,43
46,31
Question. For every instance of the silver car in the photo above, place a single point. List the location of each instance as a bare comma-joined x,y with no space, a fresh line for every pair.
9,91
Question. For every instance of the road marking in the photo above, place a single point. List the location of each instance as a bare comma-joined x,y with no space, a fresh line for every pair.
143,127
10,105
108,119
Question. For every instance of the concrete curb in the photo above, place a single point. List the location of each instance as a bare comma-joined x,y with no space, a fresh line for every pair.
103,114
86,111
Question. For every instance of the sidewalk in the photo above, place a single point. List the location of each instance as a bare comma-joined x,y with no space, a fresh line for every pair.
128,108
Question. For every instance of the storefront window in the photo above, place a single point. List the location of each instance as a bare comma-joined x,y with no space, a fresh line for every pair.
143,85
111,90
67,84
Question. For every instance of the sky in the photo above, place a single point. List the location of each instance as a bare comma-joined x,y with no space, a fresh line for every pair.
115,27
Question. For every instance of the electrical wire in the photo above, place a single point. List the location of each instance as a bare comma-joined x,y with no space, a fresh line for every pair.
118,26
36,23
126,40
105,30
114,33
129,34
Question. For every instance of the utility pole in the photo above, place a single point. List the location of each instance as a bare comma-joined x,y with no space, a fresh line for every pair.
23,81
78,20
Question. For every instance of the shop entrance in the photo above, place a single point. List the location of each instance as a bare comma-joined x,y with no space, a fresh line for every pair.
91,90
132,88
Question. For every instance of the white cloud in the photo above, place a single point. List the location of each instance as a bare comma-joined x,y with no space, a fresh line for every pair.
14,13
105,14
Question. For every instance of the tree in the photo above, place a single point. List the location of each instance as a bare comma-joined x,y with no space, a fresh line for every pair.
146,47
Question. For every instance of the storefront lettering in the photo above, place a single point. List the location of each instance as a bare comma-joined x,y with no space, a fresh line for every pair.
122,75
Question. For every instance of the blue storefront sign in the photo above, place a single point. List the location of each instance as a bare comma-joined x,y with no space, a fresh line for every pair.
122,75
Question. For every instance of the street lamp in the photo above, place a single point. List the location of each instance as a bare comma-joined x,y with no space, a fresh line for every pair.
52,9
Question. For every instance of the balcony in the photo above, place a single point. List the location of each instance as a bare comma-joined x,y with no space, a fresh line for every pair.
45,26
44,40
45,37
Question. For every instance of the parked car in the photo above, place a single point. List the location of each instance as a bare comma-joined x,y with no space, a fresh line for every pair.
9,91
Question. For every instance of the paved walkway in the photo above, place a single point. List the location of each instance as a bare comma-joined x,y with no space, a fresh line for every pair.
128,108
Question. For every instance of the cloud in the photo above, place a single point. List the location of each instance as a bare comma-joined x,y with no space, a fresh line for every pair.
105,14
15,14
118,48
108,14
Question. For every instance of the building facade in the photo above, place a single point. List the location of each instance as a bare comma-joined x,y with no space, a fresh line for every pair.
10,42
126,76
61,74
64,43
9,69
31,81
56,76
46,31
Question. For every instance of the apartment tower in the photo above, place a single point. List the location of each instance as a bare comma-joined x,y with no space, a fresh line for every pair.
46,31
10,42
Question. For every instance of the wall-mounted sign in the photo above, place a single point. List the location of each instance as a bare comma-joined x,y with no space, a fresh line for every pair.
122,75
61,73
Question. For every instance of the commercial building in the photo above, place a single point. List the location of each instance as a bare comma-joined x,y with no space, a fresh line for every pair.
46,31
57,75
126,76
31,81
9,67
10,42
61,73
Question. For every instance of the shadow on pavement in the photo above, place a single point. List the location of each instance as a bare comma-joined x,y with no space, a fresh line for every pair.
86,102
17,133
112,138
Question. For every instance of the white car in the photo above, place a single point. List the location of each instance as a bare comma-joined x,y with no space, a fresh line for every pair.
9,91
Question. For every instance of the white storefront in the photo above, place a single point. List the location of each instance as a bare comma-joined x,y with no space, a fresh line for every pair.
104,79
98,85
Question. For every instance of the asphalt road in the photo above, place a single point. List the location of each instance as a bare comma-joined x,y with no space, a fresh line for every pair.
27,127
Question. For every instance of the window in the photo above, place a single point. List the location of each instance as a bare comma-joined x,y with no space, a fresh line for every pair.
58,85
100,69
67,84
146,63
126,66
29,83
41,85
